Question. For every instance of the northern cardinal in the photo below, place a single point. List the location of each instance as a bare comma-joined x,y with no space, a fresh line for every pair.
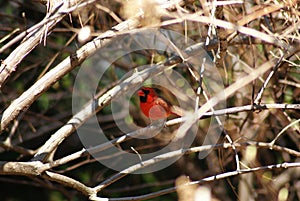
155,107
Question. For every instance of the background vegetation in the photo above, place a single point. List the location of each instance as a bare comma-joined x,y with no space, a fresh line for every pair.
255,46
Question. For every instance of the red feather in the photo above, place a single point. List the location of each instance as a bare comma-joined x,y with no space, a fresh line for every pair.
153,106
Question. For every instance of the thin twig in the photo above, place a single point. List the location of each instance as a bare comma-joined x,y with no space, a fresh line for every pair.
209,179
261,91
176,153
283,130
244,108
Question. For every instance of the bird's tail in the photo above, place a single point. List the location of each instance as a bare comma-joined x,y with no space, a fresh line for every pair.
177,111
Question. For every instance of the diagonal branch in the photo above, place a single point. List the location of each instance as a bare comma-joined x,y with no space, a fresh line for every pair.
28,97
36,34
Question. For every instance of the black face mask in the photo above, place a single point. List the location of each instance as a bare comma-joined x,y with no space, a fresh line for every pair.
143,99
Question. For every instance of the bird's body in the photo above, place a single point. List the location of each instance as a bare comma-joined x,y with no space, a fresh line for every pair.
153,106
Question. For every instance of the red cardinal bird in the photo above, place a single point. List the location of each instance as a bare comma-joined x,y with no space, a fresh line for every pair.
155,107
